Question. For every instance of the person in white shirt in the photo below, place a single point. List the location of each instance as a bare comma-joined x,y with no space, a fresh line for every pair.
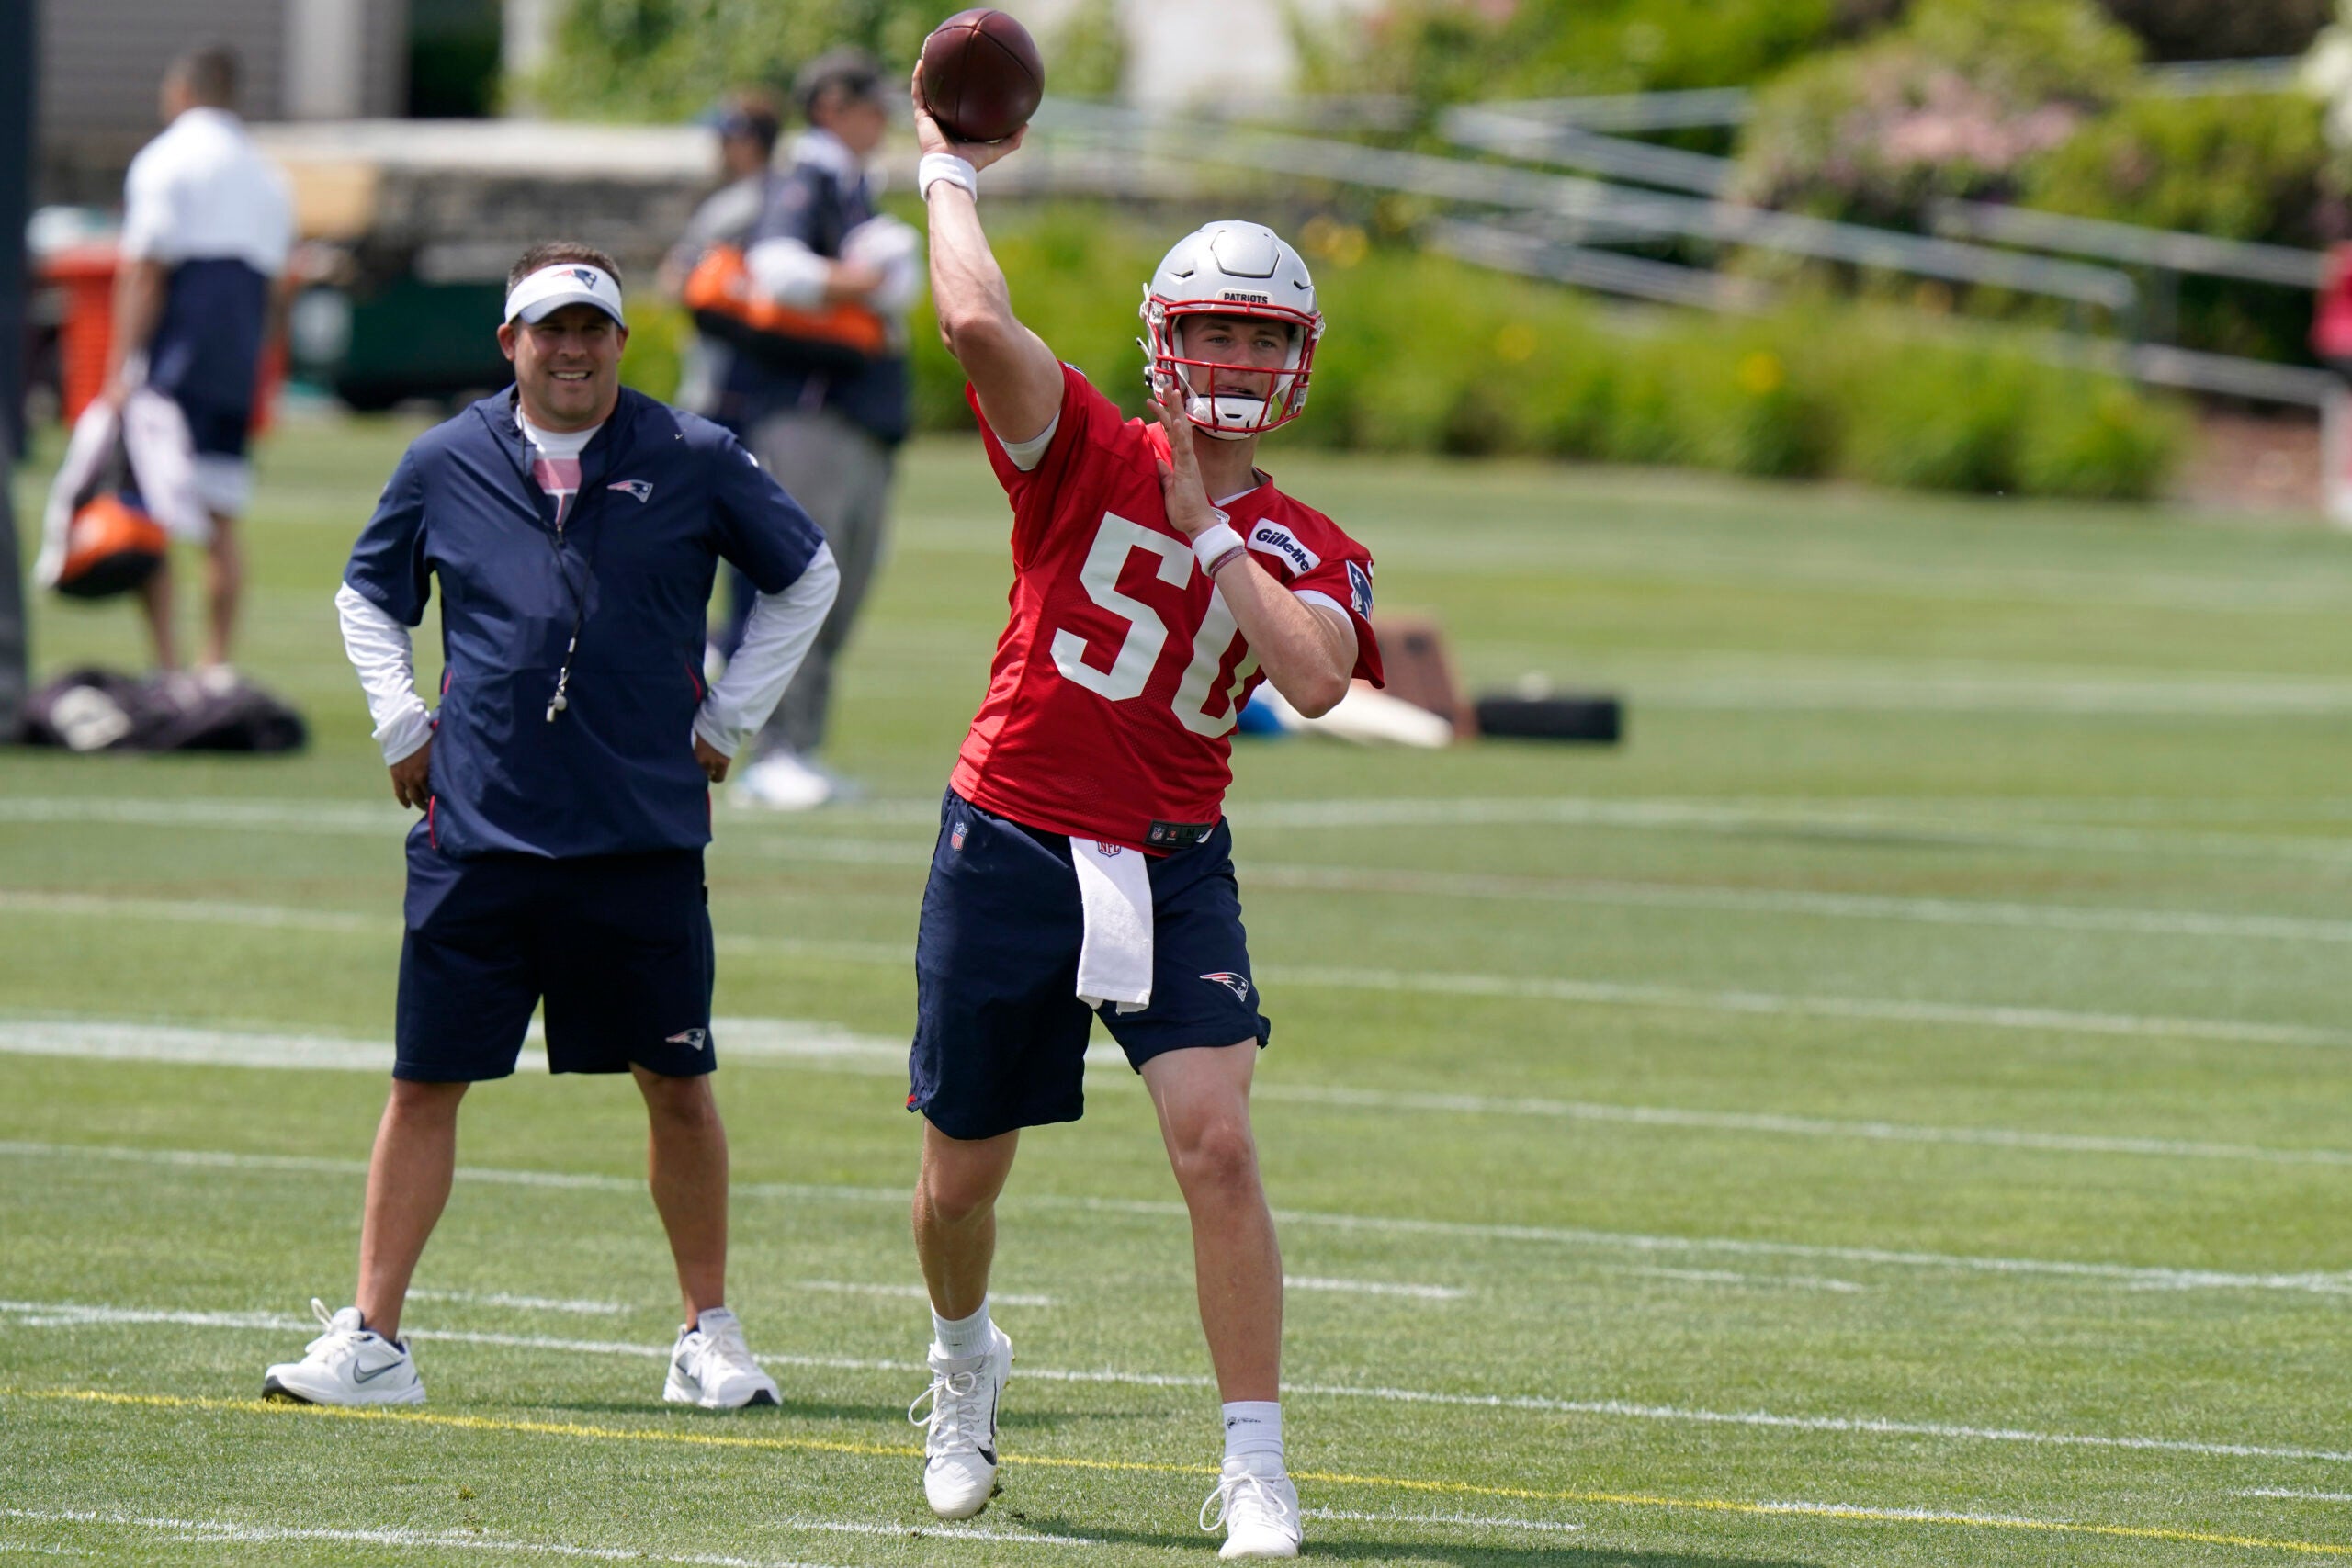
207,226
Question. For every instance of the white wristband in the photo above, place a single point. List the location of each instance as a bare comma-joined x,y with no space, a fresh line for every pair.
938,166
1215,541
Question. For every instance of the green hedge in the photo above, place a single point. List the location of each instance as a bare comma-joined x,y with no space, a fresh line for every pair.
1425,354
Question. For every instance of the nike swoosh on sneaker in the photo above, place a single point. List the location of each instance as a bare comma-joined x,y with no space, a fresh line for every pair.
988,1454
372,1374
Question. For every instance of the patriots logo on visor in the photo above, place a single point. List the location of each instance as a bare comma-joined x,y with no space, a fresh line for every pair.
586,278
642,491
1359,590
1237,984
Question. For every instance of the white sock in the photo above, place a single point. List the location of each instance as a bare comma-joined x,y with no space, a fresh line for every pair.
1253,1432
962,1337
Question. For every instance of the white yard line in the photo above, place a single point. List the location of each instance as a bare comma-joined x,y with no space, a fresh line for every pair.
226,1530
1728,1277
1655,814
913,1293
1586,992
1787,1126
1464,1521
525,1303
1962,1015
1374,1288
832,1045
2294,1496
2126,1275
55,1314
1994,914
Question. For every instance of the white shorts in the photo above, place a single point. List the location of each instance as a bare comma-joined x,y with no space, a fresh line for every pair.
226,485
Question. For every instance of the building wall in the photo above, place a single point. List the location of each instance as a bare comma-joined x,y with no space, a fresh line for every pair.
101,62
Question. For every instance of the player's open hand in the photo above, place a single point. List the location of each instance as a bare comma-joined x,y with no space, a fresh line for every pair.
714,761
413,778
931,137
1181,485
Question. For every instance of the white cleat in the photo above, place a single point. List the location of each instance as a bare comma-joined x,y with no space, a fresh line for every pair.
712,1367
959,1441
349,1364
1259,1509
784,783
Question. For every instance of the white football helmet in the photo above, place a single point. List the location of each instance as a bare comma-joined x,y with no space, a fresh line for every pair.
1231,268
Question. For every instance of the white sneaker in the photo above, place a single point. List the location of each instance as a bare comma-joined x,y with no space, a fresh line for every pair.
959,1441
349,1364
1258,1507
711,1366
784,783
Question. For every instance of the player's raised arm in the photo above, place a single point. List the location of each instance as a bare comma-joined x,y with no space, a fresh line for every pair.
1014,374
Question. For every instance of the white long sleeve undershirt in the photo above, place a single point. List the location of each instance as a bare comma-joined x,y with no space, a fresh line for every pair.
782,628
380,648
777,636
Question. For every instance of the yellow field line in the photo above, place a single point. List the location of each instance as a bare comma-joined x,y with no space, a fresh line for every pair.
1398,1482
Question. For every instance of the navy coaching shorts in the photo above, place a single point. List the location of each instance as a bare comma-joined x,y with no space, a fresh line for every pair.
1000,1033
617,945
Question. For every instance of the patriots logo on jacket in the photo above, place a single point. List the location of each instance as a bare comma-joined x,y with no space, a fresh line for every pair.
1359,590
642,489
1237,984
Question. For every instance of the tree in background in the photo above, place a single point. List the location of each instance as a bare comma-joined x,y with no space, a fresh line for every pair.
1437,52
1952,102
665,60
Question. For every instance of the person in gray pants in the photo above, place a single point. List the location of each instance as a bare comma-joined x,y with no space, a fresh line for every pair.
830,437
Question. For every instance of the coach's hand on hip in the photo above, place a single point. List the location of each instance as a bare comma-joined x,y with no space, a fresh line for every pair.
412,777
714,761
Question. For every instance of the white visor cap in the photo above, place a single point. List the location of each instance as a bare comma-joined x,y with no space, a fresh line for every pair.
567,283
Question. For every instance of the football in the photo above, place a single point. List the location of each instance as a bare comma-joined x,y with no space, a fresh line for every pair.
982,75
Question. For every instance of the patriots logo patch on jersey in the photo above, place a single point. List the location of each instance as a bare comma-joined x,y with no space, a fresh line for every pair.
1237,984
1359,590
642,491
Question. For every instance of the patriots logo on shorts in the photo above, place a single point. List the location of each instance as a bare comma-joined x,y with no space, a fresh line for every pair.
1359,590
697,1038
642,491
1237,984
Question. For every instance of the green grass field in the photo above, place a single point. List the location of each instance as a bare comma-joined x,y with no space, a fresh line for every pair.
1892,1110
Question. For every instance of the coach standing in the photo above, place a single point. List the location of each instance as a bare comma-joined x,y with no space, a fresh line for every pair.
829,437
206,229
576,528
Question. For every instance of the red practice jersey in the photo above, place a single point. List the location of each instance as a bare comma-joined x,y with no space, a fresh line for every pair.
1118,680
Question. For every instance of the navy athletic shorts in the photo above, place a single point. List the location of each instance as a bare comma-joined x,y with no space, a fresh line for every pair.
1000,1033
617,945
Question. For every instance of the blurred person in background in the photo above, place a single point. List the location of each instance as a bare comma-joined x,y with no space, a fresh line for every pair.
828,436
207,228
748,123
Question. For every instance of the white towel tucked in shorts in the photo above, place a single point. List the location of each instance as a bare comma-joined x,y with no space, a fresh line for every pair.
1115,961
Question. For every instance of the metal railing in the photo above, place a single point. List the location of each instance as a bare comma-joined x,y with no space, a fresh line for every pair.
1617,208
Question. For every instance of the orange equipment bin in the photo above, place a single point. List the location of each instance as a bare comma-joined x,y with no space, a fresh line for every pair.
86,275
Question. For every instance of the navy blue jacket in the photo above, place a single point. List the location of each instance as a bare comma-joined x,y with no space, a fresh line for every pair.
664,496
811,205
